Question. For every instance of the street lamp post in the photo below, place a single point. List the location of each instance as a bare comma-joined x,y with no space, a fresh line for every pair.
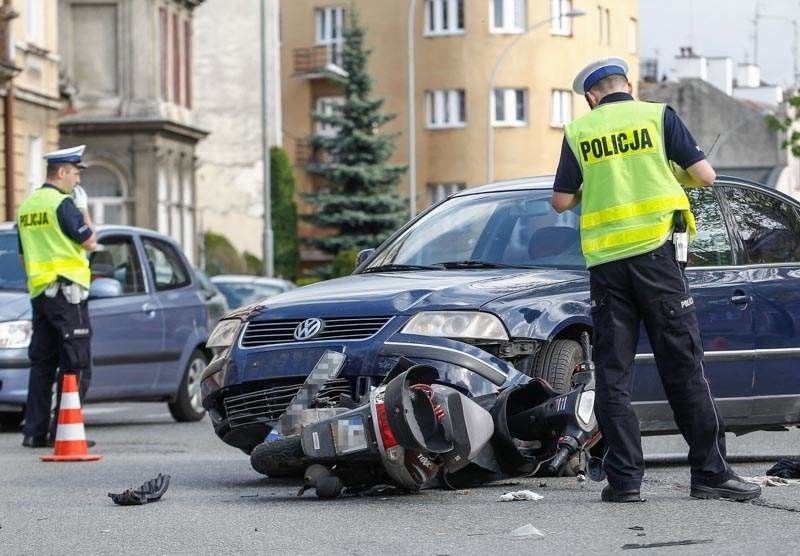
506,50
412,122
267,245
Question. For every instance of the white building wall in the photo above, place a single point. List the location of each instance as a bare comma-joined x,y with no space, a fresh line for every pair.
720,74
227,102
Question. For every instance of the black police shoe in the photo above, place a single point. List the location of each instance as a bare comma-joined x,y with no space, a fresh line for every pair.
611,494
734,488
37,442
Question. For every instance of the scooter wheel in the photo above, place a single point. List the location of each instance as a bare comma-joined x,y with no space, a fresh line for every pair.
280,458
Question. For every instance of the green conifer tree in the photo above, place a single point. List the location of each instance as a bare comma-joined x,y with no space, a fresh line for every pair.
359,198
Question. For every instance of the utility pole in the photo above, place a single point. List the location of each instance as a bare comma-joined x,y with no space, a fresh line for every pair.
267,244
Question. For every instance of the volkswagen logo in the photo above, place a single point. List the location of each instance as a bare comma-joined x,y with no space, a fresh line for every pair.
308,329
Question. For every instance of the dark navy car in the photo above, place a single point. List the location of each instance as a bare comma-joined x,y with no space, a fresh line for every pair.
491,283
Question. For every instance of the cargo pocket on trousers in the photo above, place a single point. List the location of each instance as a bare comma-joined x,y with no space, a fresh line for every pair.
680,324
77,342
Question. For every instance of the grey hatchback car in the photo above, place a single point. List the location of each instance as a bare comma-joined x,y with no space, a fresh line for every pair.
149,321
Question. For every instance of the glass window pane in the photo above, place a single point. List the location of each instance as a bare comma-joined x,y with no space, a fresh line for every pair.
460,8
99,181
445,15
430,6
769,228
462,106
117,259
499,105
712,246
520,94
498,13
165,265
112,213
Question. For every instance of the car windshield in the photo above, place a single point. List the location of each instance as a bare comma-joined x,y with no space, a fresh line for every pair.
516,229
12,275
239,293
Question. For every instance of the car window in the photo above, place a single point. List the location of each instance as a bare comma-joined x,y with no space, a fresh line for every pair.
712,246
165,264
12,275
204,283
769,227
116,258
517,228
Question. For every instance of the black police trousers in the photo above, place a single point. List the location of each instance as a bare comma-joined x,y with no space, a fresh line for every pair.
652,288
61,341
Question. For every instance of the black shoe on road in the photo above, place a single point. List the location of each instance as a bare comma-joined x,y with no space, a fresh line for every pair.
611,494
36,442
734,488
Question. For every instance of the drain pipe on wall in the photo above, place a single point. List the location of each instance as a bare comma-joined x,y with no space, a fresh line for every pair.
9,154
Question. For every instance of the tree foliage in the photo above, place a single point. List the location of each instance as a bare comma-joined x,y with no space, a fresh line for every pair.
787,124
359,198
284,216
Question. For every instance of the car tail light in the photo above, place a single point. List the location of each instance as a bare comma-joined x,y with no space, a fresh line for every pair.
387,436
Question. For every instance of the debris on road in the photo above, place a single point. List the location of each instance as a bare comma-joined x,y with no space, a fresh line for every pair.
527,532
151,491
771,481
634,546
786,469
520,495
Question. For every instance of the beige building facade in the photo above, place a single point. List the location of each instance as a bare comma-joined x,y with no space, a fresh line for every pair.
29,97
458,44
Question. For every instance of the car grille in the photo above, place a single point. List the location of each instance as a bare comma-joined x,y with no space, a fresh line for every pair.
269,404
264,333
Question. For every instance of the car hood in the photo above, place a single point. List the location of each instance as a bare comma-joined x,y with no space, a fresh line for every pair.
14,305
406,292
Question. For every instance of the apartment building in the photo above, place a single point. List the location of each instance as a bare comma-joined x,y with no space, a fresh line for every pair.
29,97
466,134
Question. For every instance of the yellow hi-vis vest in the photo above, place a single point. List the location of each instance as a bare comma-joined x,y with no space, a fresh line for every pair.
629,193
48,252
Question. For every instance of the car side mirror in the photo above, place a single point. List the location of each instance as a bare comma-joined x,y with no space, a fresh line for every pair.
363,255
105,287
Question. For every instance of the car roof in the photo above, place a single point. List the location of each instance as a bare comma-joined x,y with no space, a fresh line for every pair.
246,279
7,226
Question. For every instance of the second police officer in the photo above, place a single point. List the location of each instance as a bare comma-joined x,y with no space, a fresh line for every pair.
635,219
54,234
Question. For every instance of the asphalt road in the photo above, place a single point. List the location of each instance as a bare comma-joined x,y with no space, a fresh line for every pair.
217,504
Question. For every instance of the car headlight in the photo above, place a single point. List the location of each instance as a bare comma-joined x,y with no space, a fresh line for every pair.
224,333
15,334
457,324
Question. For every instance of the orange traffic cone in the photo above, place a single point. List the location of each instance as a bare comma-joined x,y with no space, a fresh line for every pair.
70,434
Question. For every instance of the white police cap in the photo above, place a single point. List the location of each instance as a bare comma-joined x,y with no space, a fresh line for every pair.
72,155
596,71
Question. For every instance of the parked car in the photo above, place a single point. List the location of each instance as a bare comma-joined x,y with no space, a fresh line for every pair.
148,319
493,280
216,303
243,289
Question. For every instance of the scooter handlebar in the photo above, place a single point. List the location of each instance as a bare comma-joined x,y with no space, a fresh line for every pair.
559,459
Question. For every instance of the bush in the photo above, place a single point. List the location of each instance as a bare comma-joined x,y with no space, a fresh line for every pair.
344,263
221,257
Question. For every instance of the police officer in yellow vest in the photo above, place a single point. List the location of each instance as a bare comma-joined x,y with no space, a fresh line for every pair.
54,234
635,219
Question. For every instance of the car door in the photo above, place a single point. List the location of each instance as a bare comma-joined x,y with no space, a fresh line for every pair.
179,301
128,331
769,227
719,286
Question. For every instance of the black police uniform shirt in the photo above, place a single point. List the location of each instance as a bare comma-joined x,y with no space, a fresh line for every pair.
70,219
680,146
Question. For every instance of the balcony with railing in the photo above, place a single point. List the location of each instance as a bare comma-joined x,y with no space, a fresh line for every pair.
305,153
322,61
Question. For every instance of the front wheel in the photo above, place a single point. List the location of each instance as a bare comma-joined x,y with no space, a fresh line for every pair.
187,405
283,457
556,363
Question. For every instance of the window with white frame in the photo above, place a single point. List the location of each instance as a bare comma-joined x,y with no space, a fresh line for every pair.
106,192
35,21
444,17
328,107
561,108
633,35
330,31
447,108
560,23
438,192
35,162
510,107
507,16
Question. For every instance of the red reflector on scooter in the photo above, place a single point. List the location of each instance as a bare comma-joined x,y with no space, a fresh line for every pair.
387,436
